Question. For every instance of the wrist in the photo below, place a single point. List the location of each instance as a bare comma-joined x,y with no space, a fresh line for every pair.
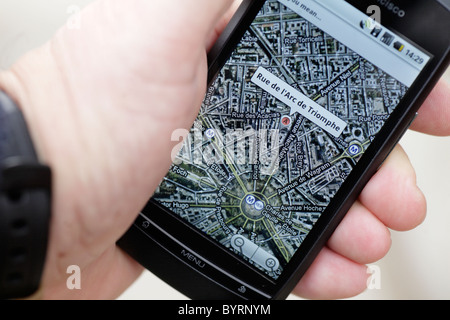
25,189
72,140
33,84
29,84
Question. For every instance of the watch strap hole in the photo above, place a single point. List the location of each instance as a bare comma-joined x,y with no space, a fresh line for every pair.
18,255
15,196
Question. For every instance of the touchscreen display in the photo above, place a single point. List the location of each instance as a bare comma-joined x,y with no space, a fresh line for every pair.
307,89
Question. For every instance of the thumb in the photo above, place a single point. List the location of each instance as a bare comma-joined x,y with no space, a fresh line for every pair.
204,15
107,80
434,115
188,17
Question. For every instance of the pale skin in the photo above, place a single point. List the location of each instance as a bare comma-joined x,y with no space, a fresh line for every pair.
102,102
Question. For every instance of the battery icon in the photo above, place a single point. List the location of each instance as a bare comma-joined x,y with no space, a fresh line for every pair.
399,46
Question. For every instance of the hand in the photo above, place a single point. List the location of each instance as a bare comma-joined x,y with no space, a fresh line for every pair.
102,103
391,200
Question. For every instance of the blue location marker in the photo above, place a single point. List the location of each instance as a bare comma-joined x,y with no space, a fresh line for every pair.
210,133
250,200
353,150
259,205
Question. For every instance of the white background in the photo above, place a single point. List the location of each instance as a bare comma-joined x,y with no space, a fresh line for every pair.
418,265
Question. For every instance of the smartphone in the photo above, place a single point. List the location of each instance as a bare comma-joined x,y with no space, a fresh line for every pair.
305,100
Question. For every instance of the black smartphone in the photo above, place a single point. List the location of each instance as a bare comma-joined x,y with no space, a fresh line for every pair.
306,99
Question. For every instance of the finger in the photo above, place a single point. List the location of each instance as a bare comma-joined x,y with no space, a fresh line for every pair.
332,276
222,23
392,194
434,115
192,17
361,237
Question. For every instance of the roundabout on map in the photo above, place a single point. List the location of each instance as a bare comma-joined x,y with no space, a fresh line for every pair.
252,206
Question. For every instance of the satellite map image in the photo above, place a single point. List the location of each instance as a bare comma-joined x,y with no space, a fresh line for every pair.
282,126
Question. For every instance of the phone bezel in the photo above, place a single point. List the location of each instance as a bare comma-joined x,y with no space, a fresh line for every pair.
433,19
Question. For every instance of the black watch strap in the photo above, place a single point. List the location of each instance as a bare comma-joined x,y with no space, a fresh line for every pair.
25,189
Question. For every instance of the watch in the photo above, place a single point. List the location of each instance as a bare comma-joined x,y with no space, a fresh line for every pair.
25,205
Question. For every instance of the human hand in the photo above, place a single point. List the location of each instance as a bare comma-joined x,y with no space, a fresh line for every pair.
102,103
391,200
